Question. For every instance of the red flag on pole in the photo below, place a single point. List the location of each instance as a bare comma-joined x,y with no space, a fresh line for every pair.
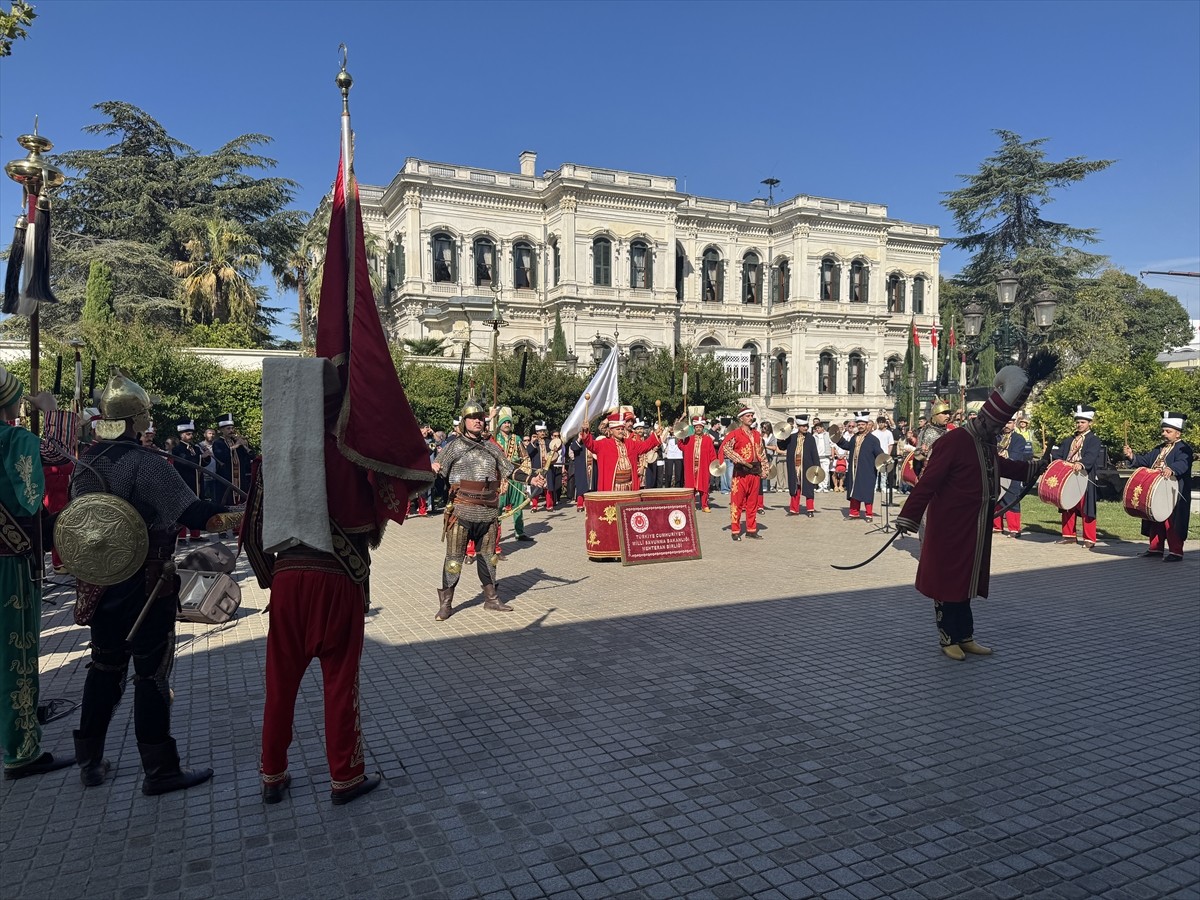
915,338
933,336
951,337
375,430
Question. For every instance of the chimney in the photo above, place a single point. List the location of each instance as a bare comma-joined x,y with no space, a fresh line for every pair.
528,162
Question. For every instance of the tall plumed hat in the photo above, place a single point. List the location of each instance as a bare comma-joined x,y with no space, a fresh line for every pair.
1013,385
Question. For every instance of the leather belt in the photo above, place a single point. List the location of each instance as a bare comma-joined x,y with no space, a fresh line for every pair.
309,562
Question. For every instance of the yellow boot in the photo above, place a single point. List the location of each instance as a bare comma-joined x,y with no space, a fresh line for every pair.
973,646
954,652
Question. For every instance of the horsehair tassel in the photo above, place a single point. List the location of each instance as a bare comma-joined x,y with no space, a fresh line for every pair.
57,375
16,256
24,304
524,366
37,289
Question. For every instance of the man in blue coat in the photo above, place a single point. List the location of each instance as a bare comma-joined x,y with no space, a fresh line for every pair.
1173,457
861,448
1012,445
1083,451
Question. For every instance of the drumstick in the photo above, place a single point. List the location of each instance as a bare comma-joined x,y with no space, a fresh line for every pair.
658,406
586,398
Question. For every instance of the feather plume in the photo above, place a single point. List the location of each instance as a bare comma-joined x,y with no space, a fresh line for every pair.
1042,365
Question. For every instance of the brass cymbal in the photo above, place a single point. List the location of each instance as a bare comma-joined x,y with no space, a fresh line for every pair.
884,463
814,475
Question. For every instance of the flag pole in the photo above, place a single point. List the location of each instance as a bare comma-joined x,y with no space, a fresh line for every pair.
344,82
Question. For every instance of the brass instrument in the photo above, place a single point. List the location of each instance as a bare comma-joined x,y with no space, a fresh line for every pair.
814,475
770,471
716,468
783,431
682,429
884,463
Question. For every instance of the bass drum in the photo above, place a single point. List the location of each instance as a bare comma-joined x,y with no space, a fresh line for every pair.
1150,495
600,522
1062,486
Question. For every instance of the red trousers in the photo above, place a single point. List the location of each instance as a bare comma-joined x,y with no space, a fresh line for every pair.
1068,523
744,496
1012,521
1166,532
795,504
703,497
314,615
854,504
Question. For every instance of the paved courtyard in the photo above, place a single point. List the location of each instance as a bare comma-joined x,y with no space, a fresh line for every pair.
752,724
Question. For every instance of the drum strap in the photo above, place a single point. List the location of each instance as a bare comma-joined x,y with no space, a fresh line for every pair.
1162,455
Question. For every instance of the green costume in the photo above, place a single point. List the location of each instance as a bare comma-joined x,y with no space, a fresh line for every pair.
22,486
515,496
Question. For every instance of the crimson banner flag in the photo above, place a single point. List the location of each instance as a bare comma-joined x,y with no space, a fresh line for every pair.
915,337
951,336
933,337
376,430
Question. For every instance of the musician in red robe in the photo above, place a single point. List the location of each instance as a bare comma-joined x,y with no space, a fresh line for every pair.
699,451
616,458
744,448
957,495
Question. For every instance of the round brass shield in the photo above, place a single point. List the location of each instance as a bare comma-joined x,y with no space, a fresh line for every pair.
101,539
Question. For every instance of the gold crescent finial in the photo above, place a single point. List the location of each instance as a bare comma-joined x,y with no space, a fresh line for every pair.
345,54
344,81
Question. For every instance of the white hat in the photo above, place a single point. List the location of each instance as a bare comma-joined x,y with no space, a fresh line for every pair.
185,425
1085,412
864,416
540,426
801,421
745,411
1174,420
637,424
698,420
225,419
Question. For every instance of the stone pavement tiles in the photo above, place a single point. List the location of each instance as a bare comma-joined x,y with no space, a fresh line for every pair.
752,724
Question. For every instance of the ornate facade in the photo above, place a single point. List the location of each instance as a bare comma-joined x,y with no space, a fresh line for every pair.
808,302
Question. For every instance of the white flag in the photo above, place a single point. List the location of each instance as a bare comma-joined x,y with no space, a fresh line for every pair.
602,391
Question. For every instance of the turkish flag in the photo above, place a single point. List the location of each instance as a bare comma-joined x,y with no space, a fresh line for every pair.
376,431
933,336
951,336
916,338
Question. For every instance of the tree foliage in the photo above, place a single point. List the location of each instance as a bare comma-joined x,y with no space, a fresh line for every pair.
98,305
660,377
1134,391
13,25
137,204
558,344
428,346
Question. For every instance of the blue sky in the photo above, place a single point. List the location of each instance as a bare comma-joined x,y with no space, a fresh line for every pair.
883,102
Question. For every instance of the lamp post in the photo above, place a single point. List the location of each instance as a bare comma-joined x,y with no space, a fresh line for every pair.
1006,293
1010,337
496,321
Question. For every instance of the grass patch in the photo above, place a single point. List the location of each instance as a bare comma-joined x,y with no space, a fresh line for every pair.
1112,522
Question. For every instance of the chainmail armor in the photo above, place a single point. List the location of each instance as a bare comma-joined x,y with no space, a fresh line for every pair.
149,483
469,460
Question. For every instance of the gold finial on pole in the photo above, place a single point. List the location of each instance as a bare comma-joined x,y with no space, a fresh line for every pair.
344,81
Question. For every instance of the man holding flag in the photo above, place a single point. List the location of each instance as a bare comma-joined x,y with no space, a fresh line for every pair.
319,506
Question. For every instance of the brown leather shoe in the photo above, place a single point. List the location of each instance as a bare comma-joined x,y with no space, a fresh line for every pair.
493,601
954,652
974,647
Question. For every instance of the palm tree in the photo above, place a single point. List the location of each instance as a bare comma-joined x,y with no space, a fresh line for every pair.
427,346
297,274
317,236
217,278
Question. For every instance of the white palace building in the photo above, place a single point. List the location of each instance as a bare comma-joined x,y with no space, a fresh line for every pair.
807,302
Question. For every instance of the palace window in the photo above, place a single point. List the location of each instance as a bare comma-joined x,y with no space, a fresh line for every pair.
714,276
641,262
524,265
395,264
918,304
781,282
484,251
831,279
856,370
557,263
826,374
895,294
751,279
602,262
680,271
779,378
859,275
445,264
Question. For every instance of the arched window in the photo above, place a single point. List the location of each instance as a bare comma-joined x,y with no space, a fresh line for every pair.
895,294
826,374
754,383
751,279
445,260
891,376
831,279
557,263
395,263
781,282
858,281
680,271
714,276
524,266
856,370
484,251
779,378
602,262
919,295
709,343
639,355
641,266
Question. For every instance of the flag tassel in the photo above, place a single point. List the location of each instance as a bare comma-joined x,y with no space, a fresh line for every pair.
37,248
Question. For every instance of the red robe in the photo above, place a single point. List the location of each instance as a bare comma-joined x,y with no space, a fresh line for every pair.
958,499
698,454
606,457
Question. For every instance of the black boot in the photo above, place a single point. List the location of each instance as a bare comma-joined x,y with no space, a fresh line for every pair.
93,767
40,766
445,599
493,601
368,784
163,775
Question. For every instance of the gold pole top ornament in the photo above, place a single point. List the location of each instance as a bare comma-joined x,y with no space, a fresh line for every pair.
344,81
34,172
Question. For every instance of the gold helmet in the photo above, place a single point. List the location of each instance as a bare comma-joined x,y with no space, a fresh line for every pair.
123,399
939,407
472,407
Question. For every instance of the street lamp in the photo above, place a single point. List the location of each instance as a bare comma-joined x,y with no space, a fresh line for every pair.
973,320
497,322
598,348
1006,288
1044,308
